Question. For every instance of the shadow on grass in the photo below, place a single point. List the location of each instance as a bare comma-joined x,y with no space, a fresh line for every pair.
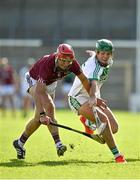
72,161
16,163
133,160
80,162
23,163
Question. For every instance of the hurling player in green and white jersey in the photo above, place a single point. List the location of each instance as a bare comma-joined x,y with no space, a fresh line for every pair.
96,69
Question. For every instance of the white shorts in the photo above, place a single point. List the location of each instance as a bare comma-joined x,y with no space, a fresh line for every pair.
7,90
50,89
75,102
23,88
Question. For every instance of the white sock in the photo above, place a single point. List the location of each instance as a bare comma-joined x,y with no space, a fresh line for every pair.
116,155
58,144
21,144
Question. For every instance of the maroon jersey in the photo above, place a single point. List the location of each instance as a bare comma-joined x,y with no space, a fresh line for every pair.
6,75
46,71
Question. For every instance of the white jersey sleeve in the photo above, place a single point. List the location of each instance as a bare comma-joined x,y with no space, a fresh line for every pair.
77,86
93,71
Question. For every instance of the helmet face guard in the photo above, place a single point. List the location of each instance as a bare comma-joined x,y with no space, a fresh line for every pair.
65,52
104,45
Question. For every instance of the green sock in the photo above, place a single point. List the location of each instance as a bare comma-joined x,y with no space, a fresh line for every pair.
115,152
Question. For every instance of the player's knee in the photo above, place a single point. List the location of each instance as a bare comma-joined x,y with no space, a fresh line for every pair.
115,128
104,118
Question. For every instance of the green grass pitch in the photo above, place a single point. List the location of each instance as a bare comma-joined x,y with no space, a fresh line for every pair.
87,160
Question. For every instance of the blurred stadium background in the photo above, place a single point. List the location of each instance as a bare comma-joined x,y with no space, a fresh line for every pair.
33,28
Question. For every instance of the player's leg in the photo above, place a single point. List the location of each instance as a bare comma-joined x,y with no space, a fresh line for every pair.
87,112
3,105
50,111
27,104
11,100
60,147
90,127
112,120
30,128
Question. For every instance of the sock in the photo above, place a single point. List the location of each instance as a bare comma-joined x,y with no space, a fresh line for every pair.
56,137
58,144
22,140
115,152
57,141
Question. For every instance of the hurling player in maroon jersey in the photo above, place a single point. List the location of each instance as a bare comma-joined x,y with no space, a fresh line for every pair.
42,81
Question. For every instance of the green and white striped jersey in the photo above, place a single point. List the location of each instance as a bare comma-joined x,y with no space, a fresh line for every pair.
93,71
